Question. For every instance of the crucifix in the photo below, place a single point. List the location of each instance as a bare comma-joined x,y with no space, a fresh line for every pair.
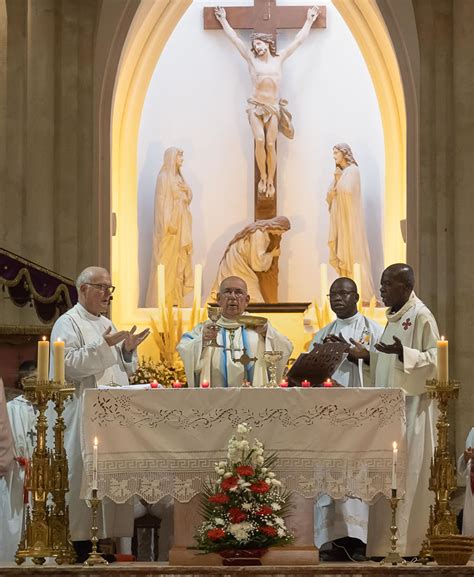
266,111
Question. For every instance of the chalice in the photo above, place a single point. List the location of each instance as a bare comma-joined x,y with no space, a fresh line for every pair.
214,314
271,358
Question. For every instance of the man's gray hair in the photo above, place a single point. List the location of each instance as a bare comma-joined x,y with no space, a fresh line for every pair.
84,277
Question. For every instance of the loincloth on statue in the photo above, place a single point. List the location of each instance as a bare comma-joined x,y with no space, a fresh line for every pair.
266,111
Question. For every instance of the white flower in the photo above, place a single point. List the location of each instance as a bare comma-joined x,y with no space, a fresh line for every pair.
227,475
240,530
279,521
268,481
220,471
222,464
275,506
219,521
243,483
264,470
271,475
247,506
260,460
276,483
243,428
280,532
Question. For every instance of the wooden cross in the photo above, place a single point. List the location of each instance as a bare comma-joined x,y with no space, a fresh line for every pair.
265,16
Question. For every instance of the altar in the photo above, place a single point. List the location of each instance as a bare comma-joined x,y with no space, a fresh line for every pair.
158,442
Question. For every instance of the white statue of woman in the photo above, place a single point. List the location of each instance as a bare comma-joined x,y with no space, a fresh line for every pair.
249,252
172,235
347,236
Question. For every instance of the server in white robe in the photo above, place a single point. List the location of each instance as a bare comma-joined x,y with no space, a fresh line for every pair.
221,367
95,353
466,469
338,519
6,465
406,358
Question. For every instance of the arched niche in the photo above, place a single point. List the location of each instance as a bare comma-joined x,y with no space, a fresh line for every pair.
151,27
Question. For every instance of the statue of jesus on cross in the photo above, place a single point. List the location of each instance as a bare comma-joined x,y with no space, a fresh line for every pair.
267,112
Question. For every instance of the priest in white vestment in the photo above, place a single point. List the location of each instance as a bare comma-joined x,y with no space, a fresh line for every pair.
221,366
466,469
406,358
6,464
95,354
338,520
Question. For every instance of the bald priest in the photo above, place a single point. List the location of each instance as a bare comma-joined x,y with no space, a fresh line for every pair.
227,365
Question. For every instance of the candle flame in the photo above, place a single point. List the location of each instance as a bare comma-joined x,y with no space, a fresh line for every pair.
442,338
59,340
395,446
96,441
43,338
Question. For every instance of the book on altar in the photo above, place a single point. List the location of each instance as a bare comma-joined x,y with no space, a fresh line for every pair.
317,365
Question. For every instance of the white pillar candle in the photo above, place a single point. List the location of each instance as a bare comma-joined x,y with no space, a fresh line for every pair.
394,466
58,348
443,360
43,359
161,286
95,462
197,286
323,284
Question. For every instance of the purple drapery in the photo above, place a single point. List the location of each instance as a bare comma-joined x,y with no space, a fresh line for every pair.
27,282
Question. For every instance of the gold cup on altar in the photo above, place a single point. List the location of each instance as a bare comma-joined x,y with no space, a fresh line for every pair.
214,314
272,358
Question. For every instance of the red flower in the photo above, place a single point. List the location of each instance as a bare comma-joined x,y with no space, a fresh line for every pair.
229,483
219,498
259,487
236,515
216,534
245,470
265,510
268,530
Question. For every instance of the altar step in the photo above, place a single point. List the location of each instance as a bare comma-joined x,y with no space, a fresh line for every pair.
369,569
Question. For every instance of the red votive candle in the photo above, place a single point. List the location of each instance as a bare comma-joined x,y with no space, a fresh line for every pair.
177,385
154,384
305,383
327,383
205,385
284,384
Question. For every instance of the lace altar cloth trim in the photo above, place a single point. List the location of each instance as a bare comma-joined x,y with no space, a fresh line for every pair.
165,442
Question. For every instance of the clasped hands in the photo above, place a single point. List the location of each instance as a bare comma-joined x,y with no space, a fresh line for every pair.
129,338
468,454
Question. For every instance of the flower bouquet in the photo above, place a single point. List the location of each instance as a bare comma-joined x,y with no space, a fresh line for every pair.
244,508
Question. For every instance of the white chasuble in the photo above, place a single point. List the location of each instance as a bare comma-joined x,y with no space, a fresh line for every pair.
89,361
347,517
220,366
464,469
417,330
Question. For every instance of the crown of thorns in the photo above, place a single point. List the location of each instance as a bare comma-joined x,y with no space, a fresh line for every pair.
267,38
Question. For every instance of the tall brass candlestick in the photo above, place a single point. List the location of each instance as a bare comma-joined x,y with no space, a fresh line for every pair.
95,558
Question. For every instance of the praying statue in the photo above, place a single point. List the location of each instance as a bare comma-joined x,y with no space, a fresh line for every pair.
172,235
250,252
347,236
267,112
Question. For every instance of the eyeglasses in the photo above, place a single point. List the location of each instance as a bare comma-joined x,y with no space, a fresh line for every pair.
105,288
342,294
239,293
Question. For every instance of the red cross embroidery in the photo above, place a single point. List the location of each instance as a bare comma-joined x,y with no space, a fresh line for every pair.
406,324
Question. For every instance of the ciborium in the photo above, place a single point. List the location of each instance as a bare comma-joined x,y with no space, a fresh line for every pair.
272,358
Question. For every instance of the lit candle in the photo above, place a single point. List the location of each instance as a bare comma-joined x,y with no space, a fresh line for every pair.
58,347
284,384
177,385
95,461
305,383
154,384
327,383
205,384
442,348
394,466
43,359
197,286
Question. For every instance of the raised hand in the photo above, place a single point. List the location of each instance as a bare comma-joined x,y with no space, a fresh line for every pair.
396,348
115,338
219,13
209,332
132,341
313,13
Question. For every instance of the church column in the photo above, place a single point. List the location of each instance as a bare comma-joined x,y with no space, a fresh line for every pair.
461,192
39,207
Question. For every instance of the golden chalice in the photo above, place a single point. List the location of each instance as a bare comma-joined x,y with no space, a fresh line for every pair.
272,358
214,314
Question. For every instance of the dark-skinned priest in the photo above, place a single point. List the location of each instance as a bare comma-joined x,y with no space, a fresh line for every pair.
239,357
344,522
405,358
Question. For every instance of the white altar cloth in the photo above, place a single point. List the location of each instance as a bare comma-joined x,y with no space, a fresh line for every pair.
161,442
